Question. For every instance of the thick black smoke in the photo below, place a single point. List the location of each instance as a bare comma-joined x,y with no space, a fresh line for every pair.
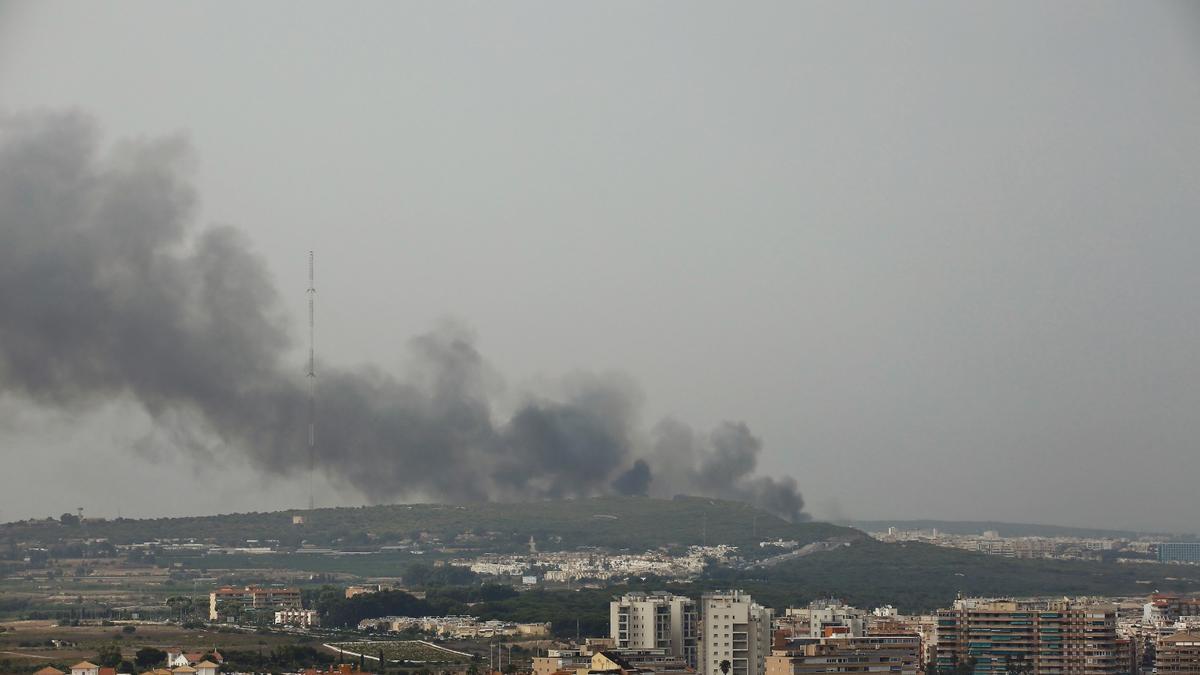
107,290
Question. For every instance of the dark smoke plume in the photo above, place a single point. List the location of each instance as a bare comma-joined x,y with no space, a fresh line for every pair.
107,290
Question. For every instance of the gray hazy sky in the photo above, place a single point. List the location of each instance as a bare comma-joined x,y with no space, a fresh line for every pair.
941,257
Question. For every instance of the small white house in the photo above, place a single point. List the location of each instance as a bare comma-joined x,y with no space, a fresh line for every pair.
176,658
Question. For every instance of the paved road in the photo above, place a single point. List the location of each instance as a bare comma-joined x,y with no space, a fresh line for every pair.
807,549
28,656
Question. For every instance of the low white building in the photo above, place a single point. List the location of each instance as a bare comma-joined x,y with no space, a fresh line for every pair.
303,618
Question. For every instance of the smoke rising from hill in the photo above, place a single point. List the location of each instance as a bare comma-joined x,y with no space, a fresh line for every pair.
106,289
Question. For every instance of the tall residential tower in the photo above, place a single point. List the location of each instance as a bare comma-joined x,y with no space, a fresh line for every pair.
733,628
655,621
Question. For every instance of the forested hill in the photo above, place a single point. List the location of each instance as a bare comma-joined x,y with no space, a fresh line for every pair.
636,523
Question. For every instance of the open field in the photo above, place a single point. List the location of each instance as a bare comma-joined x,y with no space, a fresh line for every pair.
382,563
23,643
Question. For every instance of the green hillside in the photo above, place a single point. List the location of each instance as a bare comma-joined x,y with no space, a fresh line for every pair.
920,577
637,523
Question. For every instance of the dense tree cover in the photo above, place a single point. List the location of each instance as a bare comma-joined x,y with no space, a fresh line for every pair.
10,666
347,612
921,577
473,594
337,610
489,601
420,574
281,658
567,611
109,656
149,657
13,604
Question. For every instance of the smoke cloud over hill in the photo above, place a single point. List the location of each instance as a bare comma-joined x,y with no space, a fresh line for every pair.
107,290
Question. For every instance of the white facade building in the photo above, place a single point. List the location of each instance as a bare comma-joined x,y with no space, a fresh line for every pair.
655,621
827,618
303,618
733,628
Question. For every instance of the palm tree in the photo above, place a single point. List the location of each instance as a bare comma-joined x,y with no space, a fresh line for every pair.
725,665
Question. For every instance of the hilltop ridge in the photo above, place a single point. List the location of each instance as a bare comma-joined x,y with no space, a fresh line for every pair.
607,522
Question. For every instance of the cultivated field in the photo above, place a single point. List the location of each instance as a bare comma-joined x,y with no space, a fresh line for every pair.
28,642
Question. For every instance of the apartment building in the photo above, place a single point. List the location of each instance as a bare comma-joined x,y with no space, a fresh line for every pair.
655,621
1170,607
1033,636
1178,653
735,629
584,660
631,661
302,618
825,618
1186,551
847,654
226,602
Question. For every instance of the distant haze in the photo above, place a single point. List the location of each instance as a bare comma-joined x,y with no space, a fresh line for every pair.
930,260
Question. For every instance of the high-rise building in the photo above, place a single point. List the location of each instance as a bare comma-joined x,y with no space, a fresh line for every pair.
655,621
1032,636
846,654
1185,551
1178,653
735,629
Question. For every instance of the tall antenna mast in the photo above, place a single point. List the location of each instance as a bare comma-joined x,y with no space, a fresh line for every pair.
312,381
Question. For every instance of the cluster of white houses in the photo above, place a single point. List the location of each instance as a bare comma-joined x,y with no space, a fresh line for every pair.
457,627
